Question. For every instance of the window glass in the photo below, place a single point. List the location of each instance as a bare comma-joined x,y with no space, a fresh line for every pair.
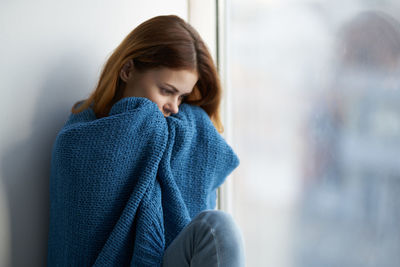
316,124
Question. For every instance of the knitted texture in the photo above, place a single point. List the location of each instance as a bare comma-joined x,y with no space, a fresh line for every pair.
122,187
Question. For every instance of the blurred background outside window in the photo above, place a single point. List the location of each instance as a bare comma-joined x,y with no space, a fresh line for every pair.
316,123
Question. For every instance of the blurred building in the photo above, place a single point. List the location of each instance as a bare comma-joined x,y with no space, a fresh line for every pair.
351,207
316,121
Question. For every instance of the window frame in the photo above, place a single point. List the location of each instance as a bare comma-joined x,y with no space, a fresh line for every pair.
214,32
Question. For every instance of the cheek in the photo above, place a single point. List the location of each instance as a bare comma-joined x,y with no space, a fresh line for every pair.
158,99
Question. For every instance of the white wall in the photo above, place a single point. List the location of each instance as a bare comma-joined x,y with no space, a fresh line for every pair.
51,54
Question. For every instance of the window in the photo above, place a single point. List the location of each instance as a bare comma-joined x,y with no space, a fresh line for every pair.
315,93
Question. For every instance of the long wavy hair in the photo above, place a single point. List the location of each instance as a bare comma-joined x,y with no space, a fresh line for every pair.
162,41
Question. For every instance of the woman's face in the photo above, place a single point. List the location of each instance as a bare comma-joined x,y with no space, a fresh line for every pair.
165,87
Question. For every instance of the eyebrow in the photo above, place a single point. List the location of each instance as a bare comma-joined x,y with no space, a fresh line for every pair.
175,90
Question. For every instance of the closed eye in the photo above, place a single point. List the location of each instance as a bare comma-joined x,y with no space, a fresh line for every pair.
166,91
169,92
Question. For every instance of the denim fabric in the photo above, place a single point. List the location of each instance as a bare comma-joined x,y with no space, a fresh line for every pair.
212,238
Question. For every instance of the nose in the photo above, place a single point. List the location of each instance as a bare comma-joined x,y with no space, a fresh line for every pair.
172,107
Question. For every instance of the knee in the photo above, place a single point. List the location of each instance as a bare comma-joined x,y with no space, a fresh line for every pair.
220,227
220,222
215,217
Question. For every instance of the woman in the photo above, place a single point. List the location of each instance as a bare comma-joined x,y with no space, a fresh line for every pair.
135,169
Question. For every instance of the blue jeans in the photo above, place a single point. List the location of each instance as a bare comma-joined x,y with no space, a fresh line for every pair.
212,238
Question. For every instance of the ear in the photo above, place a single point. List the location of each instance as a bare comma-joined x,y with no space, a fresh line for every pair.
126,71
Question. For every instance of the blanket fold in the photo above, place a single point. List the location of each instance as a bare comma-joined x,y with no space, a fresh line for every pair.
122,187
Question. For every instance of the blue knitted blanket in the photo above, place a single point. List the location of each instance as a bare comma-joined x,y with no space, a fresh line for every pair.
122,187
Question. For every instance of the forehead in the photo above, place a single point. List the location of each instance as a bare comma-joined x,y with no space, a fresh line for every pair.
179,78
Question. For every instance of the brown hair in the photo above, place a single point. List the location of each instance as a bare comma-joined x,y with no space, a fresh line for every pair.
162,41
